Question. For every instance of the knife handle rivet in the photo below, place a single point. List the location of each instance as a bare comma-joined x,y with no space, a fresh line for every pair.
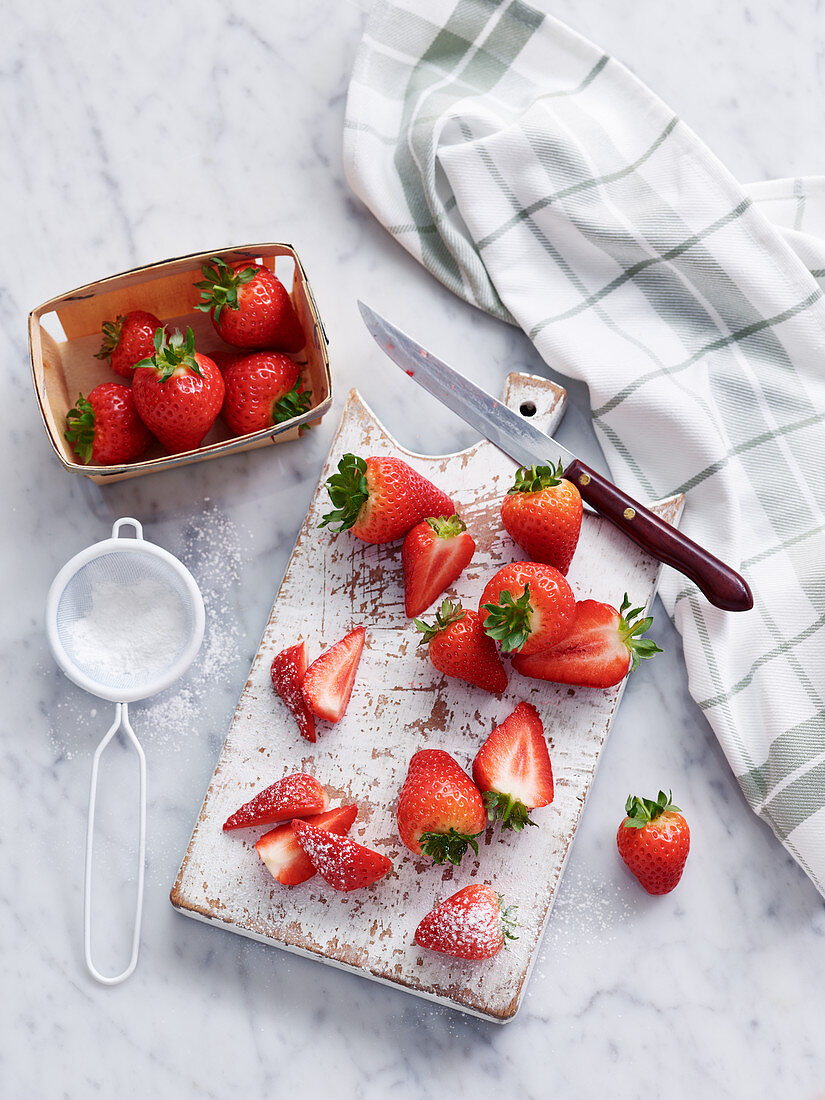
629,513
584,479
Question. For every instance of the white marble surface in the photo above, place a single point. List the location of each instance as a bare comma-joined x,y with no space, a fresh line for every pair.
132,133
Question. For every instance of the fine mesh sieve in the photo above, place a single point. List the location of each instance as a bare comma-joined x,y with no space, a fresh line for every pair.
124,619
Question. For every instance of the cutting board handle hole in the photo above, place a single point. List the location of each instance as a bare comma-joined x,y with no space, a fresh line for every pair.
527,408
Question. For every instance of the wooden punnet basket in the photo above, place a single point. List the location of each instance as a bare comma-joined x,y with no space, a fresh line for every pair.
65,333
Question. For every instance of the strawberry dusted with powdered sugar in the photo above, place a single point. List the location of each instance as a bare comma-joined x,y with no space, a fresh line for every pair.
297,795
284,857
380,498
340,862
471,924
440,810
287,672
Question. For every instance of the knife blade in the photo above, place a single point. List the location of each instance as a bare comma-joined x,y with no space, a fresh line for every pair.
529,446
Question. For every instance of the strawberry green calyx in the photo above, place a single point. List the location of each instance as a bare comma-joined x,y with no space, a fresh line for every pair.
219,286
293,403
512,813
508,923
446,527
111,338
172,353
631,634
80,428
447,614
448,847
348,491
509,620
641,811
532,479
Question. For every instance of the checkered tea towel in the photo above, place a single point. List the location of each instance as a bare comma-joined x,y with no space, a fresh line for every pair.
539,180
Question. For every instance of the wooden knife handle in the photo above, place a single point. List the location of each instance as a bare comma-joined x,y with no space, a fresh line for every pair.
722,586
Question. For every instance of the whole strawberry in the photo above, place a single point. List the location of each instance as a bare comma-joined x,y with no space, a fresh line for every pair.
543,514
262,389
602,646
379,499
654,841
459,647
471,924
529,606
105,428
178,392
249,306
440,810
128,339
435,553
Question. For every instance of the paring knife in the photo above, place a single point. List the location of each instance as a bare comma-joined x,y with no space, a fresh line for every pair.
528,446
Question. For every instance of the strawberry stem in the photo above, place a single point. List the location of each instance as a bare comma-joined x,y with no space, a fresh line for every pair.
293,403
512,813
348,491
448,847
447,614
111,331
80,428
171,354
509,620
532,479
641,811
447,527
508,922
219,286
631,632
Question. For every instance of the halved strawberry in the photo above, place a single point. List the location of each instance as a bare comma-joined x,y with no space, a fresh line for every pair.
512,769
435,552
288,670
599,650
470,924
297,795
284,857
339,861
329,680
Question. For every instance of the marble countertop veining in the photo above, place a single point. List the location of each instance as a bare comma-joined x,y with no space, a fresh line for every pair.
135,132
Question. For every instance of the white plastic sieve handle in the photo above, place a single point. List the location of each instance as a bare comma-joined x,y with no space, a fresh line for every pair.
121,721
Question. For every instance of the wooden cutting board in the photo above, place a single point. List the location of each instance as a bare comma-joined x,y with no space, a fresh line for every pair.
400,705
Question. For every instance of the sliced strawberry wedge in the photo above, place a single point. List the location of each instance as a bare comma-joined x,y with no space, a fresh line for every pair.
284,857
512,769
288,670
297,795
602,646
330,678
435,553
339,861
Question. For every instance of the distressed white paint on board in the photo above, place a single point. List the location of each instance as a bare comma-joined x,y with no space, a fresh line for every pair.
401,704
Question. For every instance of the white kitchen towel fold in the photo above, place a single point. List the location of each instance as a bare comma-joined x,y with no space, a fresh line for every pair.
541,181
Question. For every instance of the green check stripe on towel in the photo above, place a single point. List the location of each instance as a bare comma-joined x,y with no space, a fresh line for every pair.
539,180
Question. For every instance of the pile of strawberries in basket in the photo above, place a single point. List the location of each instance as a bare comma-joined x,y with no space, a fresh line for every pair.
174,392
527,611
